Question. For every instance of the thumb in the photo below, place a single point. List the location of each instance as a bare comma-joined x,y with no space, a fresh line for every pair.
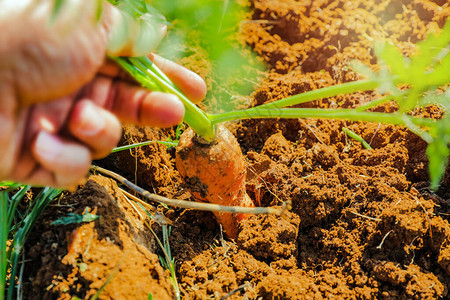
130,35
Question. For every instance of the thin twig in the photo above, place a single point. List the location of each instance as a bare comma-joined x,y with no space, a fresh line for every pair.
136,199
239,288
414,253
252,169
189,204
382,241
375,133
363,216
312,131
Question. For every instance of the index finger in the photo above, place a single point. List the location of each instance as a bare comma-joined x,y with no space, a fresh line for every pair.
190,83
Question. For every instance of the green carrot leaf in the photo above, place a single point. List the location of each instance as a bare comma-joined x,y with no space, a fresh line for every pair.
430,51
211,27
392,58
438,153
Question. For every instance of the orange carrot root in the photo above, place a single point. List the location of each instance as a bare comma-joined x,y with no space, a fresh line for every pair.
215,173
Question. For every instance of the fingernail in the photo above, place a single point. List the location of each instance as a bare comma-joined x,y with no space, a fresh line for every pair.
47,146
92,121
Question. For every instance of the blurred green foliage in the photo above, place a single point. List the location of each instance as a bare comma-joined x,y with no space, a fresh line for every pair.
426,74
211,27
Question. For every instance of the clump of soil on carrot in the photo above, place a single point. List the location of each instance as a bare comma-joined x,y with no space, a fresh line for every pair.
363,222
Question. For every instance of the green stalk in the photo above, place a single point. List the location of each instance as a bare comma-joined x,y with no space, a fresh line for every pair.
148,74
3,238
375,103
126,147
330,91
297,113
320,113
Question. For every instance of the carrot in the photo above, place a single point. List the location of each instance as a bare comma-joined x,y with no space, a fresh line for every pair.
215,173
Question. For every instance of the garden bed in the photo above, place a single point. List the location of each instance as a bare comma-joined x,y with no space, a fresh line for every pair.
363,223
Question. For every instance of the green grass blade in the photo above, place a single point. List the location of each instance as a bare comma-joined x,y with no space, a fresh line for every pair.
438,152
11,185
356,137
37,207
15,199
166,260
4,199
126,147
170,263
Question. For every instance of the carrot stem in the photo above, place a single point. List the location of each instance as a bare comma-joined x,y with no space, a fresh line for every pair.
343,114
149,75
330,91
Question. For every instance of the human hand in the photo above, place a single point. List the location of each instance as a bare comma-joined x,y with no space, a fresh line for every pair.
62,104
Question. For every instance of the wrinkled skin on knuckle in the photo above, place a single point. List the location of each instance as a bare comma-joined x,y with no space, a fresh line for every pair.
44,60
48,59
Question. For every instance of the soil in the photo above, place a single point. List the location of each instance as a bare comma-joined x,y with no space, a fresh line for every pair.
364,223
